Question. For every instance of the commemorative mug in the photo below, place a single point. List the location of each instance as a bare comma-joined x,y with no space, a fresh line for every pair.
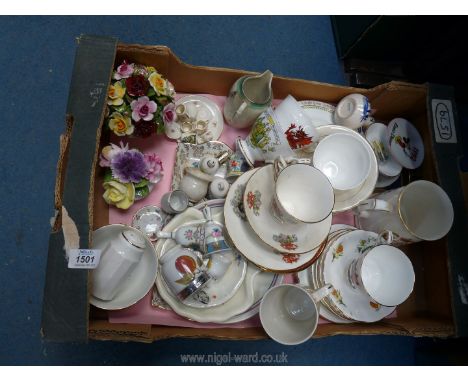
419,211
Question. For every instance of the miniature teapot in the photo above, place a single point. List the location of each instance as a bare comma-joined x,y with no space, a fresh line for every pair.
195,184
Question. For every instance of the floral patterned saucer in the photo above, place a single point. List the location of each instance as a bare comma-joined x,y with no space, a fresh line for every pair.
284,237
353,303
248,243
189,155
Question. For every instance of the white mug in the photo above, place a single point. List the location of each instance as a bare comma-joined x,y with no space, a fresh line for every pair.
289,313
303,194
118,259
385,273
419,211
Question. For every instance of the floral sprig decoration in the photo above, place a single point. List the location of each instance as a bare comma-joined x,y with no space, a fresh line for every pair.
140,101
130,175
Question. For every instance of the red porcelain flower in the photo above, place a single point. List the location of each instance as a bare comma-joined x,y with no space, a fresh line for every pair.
137,86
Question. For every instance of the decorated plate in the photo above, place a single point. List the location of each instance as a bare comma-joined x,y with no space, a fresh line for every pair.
283,237
247,242
199,120
376,135
405,143
320,113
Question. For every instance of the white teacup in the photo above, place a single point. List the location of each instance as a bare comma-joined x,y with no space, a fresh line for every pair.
289,313
303,194
344,159
353,111
385,273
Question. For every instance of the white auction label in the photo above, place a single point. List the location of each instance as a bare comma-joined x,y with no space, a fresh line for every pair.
83,258
444,124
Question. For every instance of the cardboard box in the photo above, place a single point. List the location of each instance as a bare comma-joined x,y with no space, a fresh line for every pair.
436,307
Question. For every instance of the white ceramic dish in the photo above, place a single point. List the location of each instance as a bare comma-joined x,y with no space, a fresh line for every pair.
405,143
139,282
281,236
241,305
189,155
211,115
216,292
247,242
344,159
385,181
376,135
349,199
354,303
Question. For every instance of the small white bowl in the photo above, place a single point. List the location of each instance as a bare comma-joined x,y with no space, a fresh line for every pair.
344,160
352,111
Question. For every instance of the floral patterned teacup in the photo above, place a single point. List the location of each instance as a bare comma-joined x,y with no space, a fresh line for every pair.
303,194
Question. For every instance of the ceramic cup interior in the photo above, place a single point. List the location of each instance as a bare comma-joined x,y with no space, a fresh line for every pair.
288,314
344,159
305,193
387,275
426,210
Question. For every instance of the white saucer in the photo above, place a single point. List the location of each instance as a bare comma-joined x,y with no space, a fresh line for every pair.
247,242
139,282
405,143
349,199
284,237
215,126
385,181
376,135
320,113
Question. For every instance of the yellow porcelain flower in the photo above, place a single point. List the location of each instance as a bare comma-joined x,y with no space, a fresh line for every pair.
120,124
158,83
115,95
119,194
150,69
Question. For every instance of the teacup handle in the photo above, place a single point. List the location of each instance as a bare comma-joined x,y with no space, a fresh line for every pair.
374,204
319,294
278,165
386,237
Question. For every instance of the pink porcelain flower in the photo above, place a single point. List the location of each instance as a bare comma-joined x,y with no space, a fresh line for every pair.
143,108
169,113
124,71
154,167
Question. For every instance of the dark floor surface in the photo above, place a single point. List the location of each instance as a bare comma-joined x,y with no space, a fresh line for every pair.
36,64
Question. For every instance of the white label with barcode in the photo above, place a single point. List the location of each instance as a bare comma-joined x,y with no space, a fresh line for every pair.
83,258
444,125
